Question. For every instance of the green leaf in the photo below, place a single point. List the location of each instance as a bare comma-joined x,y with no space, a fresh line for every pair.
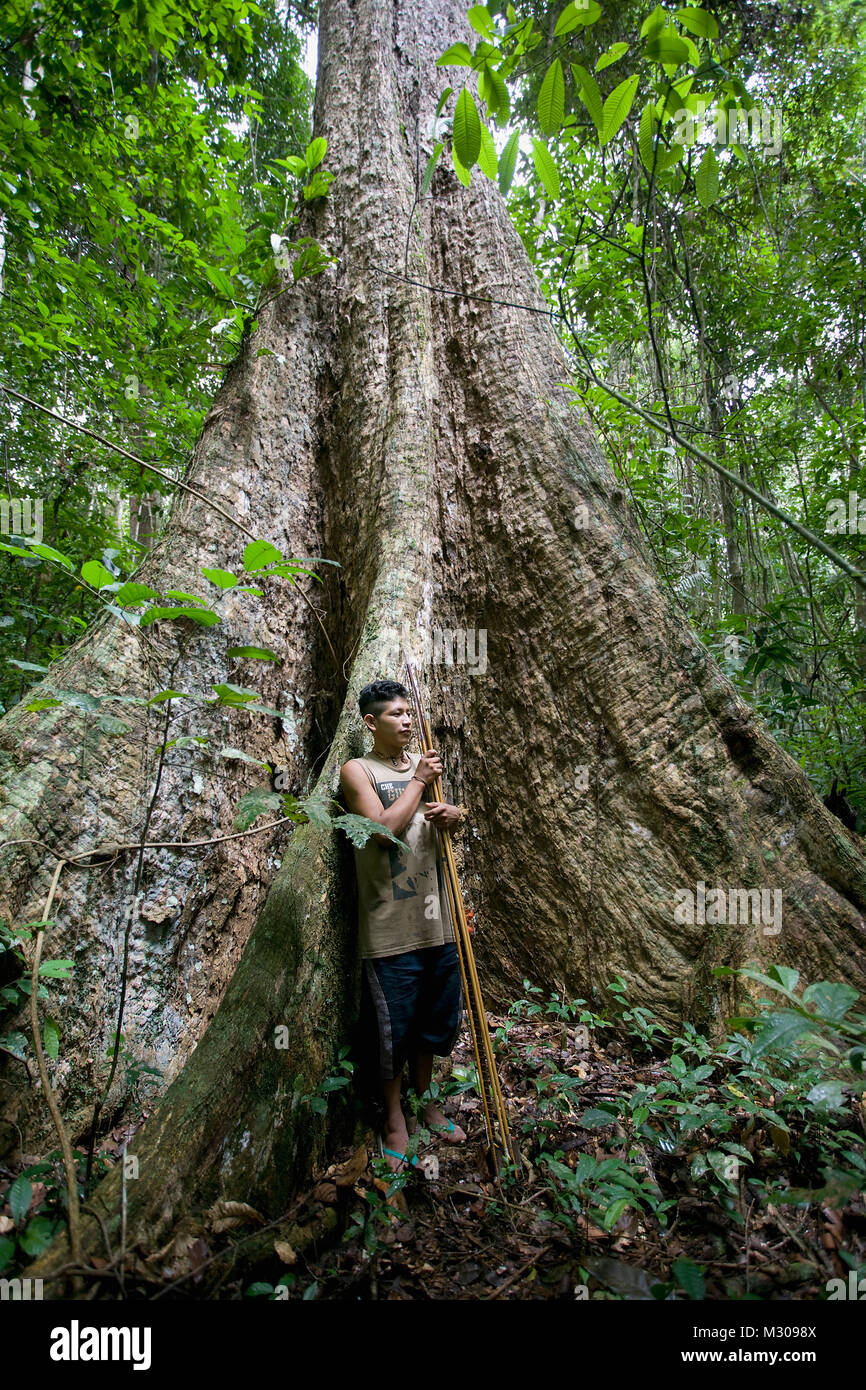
198,615
614,1212
431,165
15,1044
698,22
360,828
258,554
462,173
689,1277
224,579
613,55
16,550
253,653
649,126
667,46
492,88
589,93
42,704
467,129
266,709
131,593
441,102
487,160
19,1196
181,597
786,976
574,15
56,969
780,1030
234,694
832,999
707,180
551,99
51,1038
26,665
594,1117
38,1235
254,804
48,553
545,168
315,152
507,162
96,575
827,1095
457,56
238,755
617,107
481,20
164,695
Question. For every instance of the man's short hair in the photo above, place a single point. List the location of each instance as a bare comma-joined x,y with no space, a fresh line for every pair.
375,696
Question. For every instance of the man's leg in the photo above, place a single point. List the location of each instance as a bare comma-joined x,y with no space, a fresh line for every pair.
421,1069
393,982
395,1135
437,1024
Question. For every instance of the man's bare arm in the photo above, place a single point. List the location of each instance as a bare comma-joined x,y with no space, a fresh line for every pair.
363,801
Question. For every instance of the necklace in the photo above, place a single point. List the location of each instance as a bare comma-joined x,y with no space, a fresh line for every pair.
394,761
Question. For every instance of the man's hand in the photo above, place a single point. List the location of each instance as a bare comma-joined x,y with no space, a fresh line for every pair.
441,814
429,768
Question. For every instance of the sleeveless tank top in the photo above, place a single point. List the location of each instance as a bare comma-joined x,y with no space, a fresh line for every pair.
402,900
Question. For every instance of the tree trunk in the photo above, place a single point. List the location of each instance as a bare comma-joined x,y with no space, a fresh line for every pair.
425,441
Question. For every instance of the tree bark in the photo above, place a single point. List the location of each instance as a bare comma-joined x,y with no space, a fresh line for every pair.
425,440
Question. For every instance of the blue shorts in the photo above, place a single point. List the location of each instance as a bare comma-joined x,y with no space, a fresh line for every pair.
416,999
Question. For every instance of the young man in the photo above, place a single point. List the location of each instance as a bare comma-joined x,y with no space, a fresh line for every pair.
406,934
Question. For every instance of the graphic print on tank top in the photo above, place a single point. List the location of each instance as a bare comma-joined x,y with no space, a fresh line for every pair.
402,882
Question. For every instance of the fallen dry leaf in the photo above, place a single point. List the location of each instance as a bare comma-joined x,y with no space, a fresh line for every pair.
285,1252
225,1216
349,1173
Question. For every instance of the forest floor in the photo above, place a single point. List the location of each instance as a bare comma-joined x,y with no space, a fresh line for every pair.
651,1167
545,1234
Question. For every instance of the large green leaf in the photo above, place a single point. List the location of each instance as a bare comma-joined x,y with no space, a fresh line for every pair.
507,162
587,12
545,168
617,107
254,804
467,129
698,22
589,93
431,165
649,126
551,99
96,575
457,56
258,554
707,179
253,654
487,160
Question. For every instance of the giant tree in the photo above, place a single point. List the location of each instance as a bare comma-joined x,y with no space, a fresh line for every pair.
404,414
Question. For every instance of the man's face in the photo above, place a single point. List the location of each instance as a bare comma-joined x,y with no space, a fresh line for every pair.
394,725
